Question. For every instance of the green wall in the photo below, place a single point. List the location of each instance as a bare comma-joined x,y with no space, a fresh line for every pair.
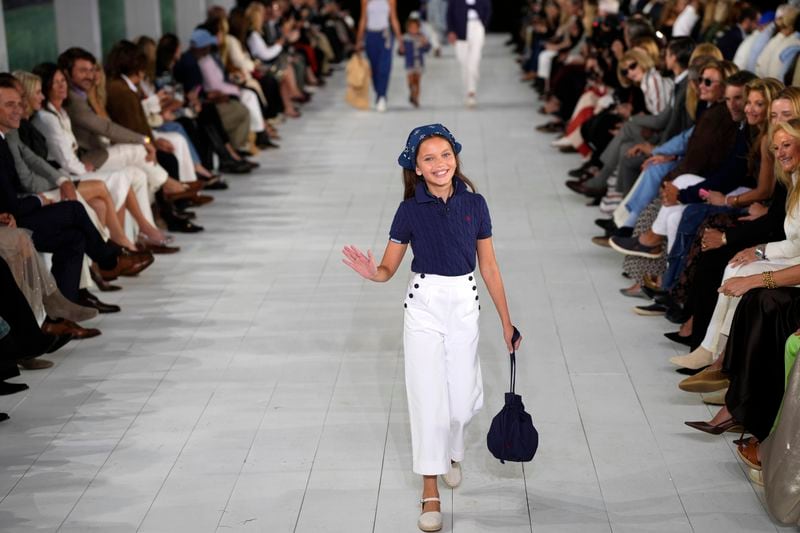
30,34
112,23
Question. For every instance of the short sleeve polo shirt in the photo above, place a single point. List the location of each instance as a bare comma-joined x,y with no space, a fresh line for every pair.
443,236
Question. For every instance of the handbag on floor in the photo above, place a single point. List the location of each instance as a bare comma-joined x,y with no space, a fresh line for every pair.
512,436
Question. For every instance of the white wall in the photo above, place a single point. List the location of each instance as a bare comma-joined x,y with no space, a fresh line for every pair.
78,24
142,17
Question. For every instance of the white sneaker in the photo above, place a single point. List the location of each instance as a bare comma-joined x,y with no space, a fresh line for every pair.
453,477
432,520
471,101
380,107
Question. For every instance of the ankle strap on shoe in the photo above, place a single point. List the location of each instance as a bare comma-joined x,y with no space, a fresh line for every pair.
426,500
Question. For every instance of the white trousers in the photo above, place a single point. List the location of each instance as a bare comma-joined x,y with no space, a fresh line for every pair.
669,216
182,154
469,53
722,318
134,155
146,178
545,64
442,370
250,100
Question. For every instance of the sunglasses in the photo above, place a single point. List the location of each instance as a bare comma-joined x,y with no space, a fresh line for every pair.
708,82
629,68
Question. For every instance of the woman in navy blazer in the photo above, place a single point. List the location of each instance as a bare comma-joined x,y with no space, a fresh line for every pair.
467,21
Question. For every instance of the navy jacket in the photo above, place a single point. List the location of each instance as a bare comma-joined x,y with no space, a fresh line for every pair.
457,16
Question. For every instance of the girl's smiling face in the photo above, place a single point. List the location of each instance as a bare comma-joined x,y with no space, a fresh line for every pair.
436,162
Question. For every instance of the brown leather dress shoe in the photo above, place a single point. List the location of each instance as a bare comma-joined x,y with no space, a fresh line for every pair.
34,364
128,264
200,199
68,327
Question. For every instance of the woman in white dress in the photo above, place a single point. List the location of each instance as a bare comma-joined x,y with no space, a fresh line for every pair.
126,185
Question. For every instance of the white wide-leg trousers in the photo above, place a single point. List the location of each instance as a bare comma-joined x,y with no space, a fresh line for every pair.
469,53
442,370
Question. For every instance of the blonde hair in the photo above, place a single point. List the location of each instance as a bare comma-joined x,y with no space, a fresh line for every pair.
649,45
791,128
768,88
792,94
28,81
254,13
703,53
643,60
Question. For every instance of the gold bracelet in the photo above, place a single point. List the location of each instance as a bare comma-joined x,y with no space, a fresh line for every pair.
769,281
724,239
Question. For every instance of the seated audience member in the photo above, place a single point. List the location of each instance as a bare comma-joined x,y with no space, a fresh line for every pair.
769,63
214,82
164,109
721,240
762,260
37,175
729,179
706,146
129,148
729,40
63,228
45,301
128,185
125,67
209,123
234,116
21,339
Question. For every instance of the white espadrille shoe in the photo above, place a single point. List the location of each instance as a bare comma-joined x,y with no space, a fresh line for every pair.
453,476
432,520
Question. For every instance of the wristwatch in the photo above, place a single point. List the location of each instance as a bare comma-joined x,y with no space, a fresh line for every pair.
761,253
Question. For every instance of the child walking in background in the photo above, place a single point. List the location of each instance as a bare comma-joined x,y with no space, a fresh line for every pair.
416,45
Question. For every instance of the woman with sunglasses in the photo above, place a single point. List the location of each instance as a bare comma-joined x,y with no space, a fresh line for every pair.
637,68
447,225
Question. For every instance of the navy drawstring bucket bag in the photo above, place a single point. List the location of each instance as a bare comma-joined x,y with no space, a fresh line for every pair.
512,436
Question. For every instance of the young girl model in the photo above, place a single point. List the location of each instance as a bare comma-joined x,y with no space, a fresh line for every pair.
416,45
446,225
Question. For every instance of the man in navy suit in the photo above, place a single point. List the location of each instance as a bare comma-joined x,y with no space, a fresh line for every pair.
467,21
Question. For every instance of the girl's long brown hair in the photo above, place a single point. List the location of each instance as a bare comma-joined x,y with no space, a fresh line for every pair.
410,178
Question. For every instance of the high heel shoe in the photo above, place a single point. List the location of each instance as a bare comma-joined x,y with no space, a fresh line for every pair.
697,359
728,425
431,520
676,336
155,246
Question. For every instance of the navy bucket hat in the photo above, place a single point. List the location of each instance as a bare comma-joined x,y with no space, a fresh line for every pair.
408,158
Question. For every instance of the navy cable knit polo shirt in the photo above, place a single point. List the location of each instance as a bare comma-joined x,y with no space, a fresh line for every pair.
443,236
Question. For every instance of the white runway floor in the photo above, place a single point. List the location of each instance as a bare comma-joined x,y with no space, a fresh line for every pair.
253,383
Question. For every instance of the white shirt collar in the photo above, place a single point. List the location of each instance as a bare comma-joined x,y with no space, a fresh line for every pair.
130,83
680,77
